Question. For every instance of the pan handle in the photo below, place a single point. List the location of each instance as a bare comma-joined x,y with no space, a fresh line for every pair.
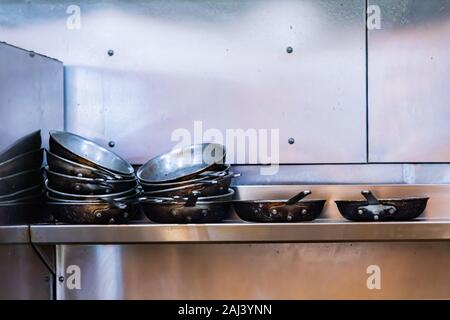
192,199
297,197
371,199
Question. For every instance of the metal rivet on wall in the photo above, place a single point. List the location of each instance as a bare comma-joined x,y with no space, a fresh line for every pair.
291,141
110,52
289,49
31,54
111,144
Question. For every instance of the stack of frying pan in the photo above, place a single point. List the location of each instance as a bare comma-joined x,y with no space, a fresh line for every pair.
87,183
187,185
21,180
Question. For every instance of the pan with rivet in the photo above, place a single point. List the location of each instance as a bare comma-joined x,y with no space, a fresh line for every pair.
20,181
374,209
188,210
84,151
79,185
292,210
68,167
22,162
182,163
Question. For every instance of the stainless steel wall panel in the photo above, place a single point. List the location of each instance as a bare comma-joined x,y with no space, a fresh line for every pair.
409,96
23,275
225,63
255,271
31,94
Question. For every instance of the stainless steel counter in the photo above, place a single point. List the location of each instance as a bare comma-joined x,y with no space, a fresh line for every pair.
14,234
234,232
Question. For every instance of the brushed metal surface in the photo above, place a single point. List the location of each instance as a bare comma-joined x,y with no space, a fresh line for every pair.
409,98
31,94
318,231
23,275
416,270
14,234
222,62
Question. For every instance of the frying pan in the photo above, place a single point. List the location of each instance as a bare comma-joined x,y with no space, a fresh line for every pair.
81,150
68,167
70,184
204,177
25,144
92,212
187,211
292,210
220,197
206,188
31,191
373,209
20,181
182,163
26,161
22,213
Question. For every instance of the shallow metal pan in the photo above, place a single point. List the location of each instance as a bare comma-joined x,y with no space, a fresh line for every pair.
206,188
30,142
189,210
92,212
31,191
81,150
68,167
20,181
182,163
292,210
89,186
23,162
373,209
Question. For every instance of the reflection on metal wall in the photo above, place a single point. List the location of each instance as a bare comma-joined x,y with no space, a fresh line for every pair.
257,271
409,96
31,94
22,274
225,63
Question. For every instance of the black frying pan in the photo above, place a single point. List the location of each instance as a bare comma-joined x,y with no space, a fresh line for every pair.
292,210
25,144
373,209
186,211
81,150
92,212
182,163
68,167
78,185
23,162
19,181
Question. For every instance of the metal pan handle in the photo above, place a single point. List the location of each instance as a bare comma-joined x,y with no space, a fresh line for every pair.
298,197
371,199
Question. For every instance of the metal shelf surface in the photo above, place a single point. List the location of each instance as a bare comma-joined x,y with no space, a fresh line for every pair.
14,234
235,232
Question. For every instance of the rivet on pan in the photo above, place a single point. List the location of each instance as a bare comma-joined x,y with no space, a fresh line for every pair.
111,144
205,212
360,211
173,212
375,217
256,211
289,49
107,191
391,210
261,205
111,220
125,215
80,175
77,187
289,218
110,52
274,211
304,211
291,140
188,218
98,214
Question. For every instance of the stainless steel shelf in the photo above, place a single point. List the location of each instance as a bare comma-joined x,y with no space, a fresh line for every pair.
319,231
14,234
